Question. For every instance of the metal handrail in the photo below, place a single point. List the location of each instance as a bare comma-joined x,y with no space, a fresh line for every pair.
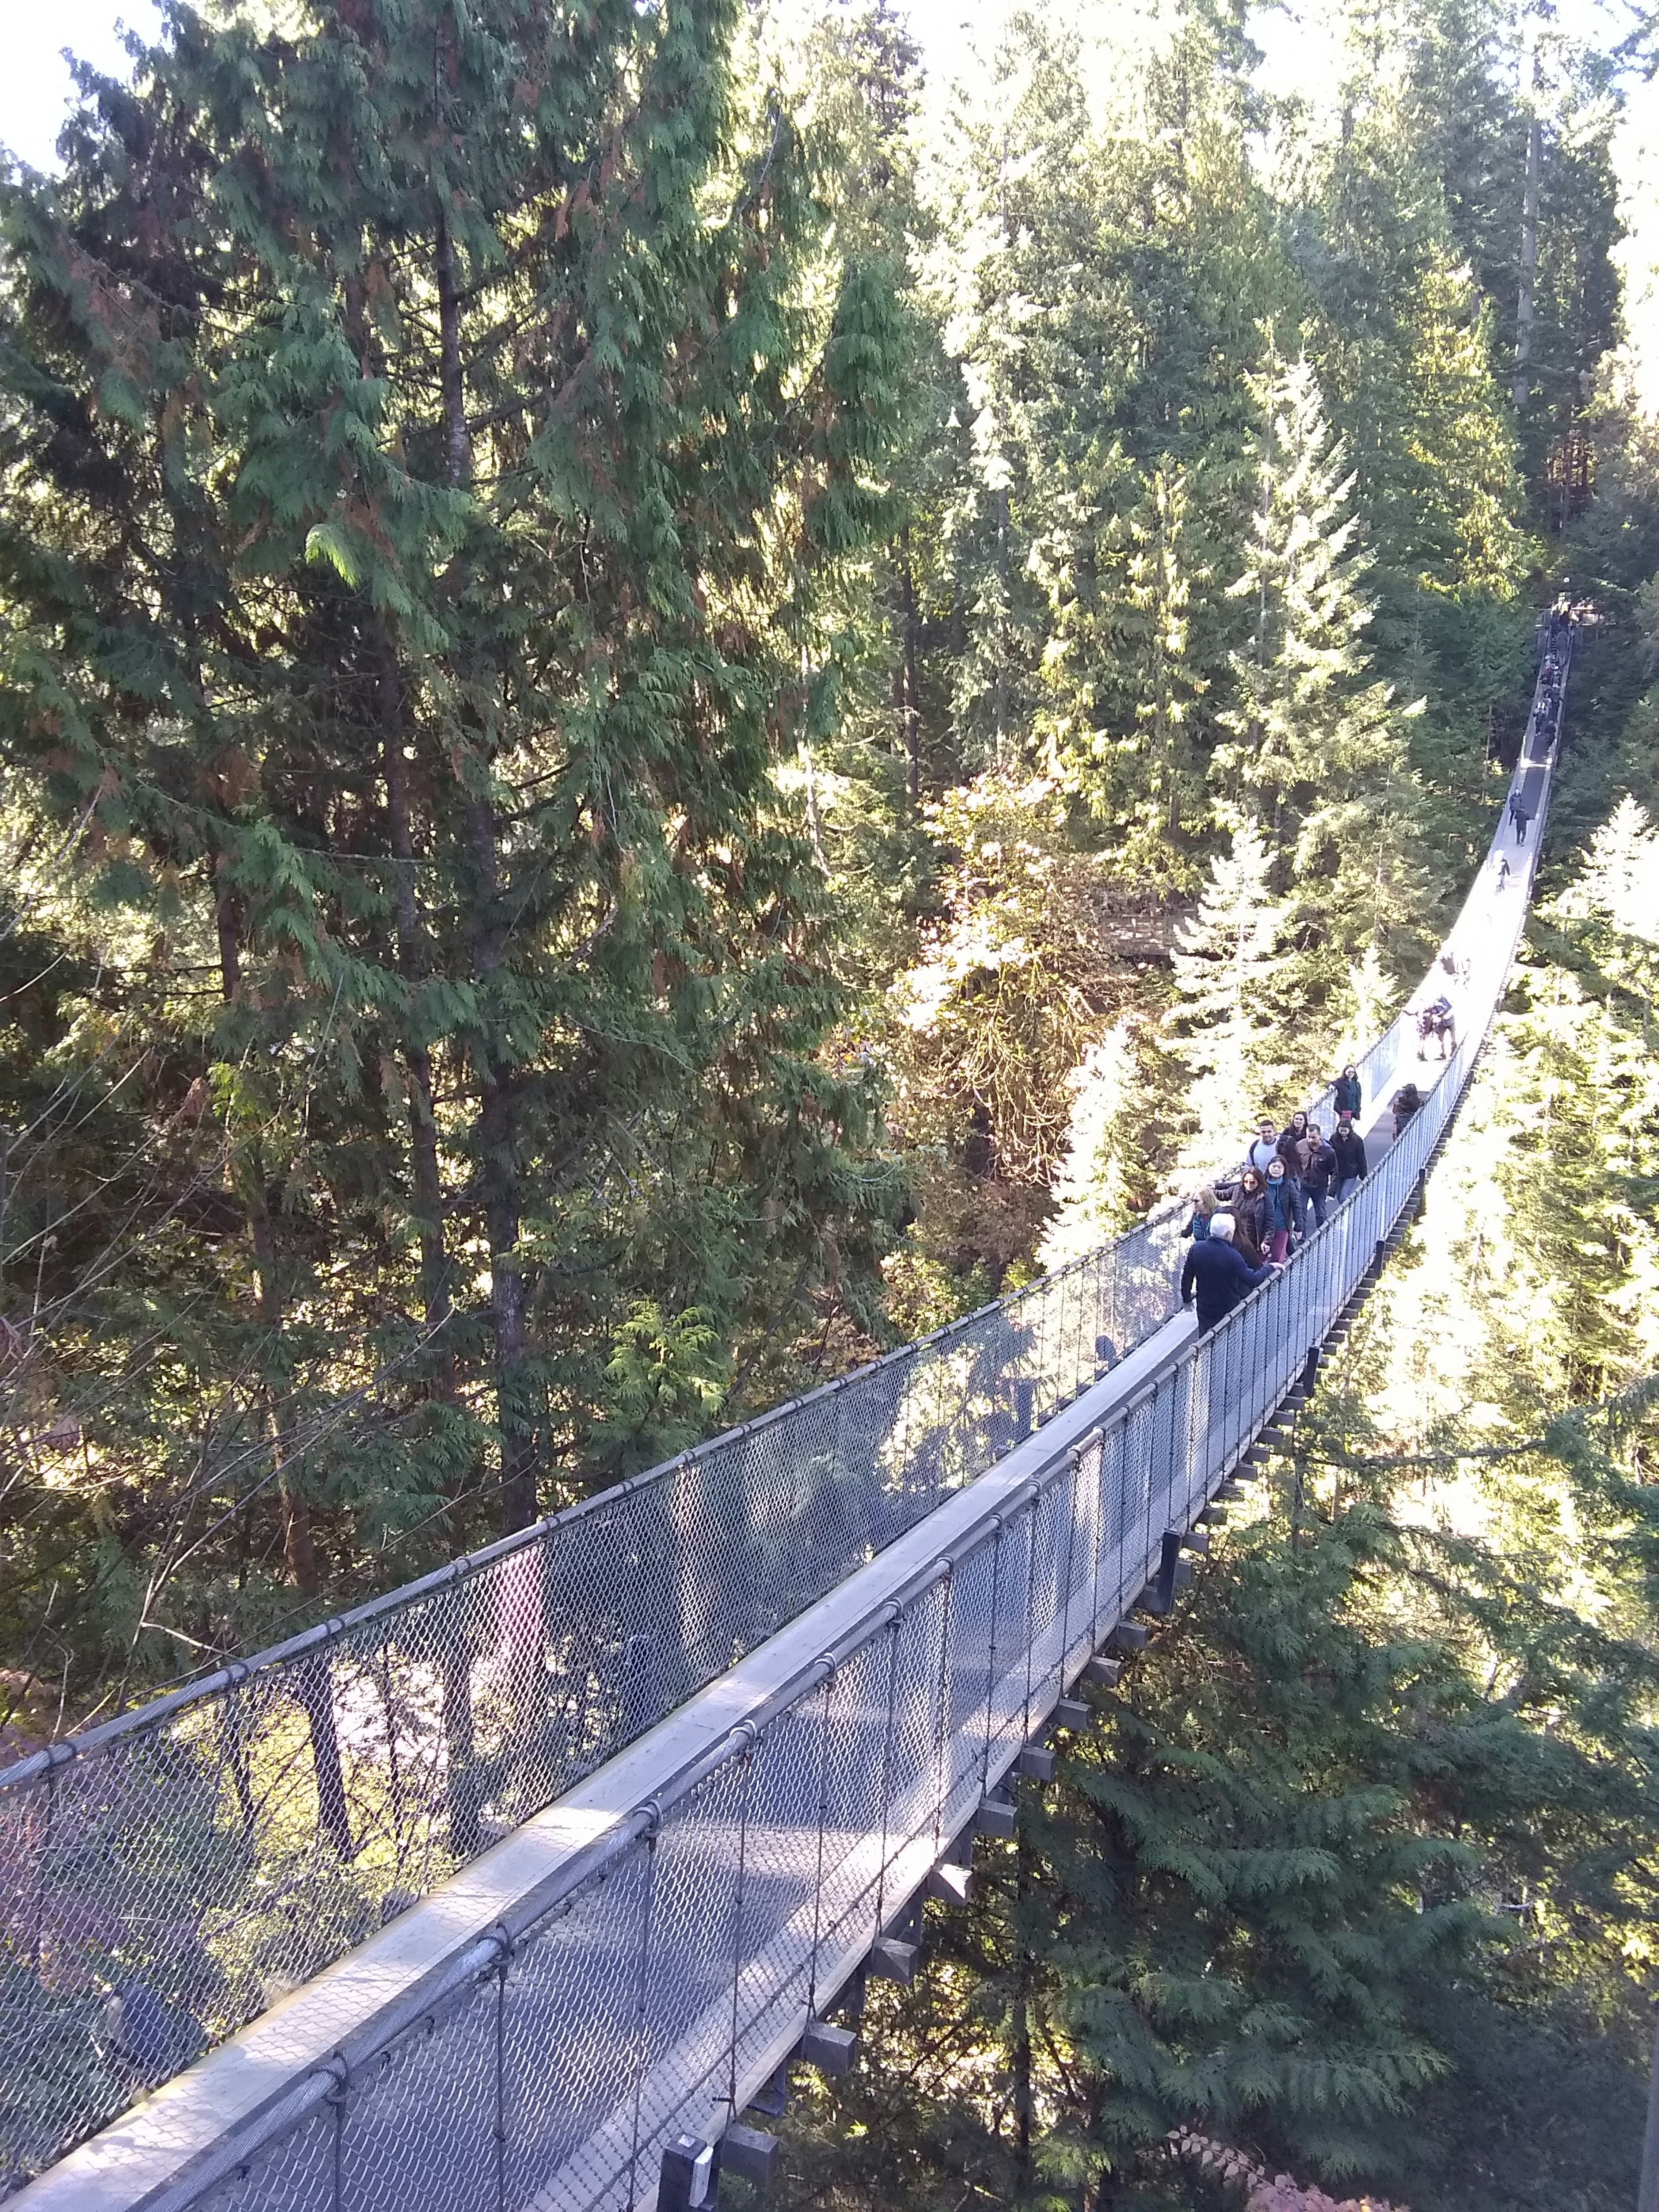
225,1832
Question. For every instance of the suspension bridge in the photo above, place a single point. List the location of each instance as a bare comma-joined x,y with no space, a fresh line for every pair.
524,1886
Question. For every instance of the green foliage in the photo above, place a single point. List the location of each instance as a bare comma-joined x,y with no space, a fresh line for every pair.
422,487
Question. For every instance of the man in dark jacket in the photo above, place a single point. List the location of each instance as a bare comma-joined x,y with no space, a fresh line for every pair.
1219,1277
1349,1147
1319,1175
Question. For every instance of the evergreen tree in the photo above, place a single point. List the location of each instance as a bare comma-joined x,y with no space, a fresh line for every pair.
1095,1187
446,463
1315,741
1124,726
1230,970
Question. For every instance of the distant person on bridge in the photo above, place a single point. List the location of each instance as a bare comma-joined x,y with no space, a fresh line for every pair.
1348,1149
1520,817
1203,1205
1406,1102
1503,872
1216,1277
1318,1174
1265,1146
1291,1137
1250,1229
1345,1090
1281,1207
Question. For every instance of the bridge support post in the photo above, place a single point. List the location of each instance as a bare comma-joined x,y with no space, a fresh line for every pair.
688,2179
1024,1408
772,2097
1174,1573
832,2049
751,2154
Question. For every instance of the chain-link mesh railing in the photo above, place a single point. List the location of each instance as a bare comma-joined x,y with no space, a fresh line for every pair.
666,1982
164,1878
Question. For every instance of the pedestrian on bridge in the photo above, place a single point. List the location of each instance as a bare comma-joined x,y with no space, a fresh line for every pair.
1406,1102
1265,1146
1522,818
1216,1277
1348,1149
1345,1093
1250,1228
1503,872
1204,1206
1318,1174
1291,1137
1281,1208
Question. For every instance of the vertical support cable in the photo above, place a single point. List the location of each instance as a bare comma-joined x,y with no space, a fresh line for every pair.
1030,1608
942,1707
737,1923
505,1962
817,1885
646,1933
991,1657
886,1768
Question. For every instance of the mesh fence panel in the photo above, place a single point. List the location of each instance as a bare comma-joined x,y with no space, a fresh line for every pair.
417,2132
571,2026
653,2001
165,1877
298,2173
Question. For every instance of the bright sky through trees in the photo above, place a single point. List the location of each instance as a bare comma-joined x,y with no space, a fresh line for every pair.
35,88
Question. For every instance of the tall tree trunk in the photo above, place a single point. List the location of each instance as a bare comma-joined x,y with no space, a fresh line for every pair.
1021,2052
814,821
312,1680
498,1115
1524,306
393,720
298,1543
427,1184
909,705
1001,695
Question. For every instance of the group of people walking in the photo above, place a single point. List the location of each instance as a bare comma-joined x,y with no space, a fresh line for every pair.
1242,1228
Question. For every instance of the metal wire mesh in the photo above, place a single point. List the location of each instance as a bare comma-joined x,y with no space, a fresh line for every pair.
654,2001
165,1877
187,1866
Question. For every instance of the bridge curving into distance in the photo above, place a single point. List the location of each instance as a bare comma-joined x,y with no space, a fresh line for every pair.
519,1886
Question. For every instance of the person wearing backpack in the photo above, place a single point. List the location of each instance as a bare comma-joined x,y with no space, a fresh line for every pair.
1264,1144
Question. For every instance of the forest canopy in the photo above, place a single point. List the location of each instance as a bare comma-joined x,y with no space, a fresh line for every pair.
675,700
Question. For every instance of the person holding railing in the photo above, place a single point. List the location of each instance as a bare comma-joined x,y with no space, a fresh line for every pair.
1216,1278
